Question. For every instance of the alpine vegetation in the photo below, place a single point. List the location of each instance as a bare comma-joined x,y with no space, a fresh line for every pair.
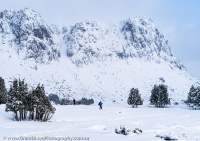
159,96
134,98
54,98
17,99
122,131
65,101
33,105
3,91
194,97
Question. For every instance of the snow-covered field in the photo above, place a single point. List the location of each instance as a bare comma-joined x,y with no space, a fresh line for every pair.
88,121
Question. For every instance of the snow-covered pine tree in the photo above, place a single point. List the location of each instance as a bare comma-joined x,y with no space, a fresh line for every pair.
23,92
194,97
134,98
12,99
159,96
3,91
40,107
16,99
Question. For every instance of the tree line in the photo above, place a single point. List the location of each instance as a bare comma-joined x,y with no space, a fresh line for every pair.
35,105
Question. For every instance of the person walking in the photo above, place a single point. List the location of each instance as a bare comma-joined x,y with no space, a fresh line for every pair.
74,101
100,105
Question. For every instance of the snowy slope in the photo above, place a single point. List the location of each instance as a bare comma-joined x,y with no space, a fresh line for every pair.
89,59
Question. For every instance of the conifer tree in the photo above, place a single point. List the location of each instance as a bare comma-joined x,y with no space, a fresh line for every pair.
194,97
3,91
16,100
134,98
159,96
40,107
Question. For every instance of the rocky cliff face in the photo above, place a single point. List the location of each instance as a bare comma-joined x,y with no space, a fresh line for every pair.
83,42
132,38
30,34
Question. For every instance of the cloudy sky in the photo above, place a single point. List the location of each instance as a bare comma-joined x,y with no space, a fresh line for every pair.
179,20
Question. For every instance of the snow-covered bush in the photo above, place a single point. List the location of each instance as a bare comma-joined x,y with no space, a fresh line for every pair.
122,130
65,101
159,96
83,101
26,105
54,98
194,97
134,98
3,91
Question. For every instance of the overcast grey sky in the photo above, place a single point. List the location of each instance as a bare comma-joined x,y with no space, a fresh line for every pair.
179,20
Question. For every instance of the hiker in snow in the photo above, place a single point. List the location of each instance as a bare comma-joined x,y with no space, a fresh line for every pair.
100,105
74,101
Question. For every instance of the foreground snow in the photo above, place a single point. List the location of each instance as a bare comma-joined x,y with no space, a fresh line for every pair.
89,121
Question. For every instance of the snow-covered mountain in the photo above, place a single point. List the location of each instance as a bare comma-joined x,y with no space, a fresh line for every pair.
89,59
130,38
29,34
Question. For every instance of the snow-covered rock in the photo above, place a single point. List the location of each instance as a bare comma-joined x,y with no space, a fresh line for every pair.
88,41
30,34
